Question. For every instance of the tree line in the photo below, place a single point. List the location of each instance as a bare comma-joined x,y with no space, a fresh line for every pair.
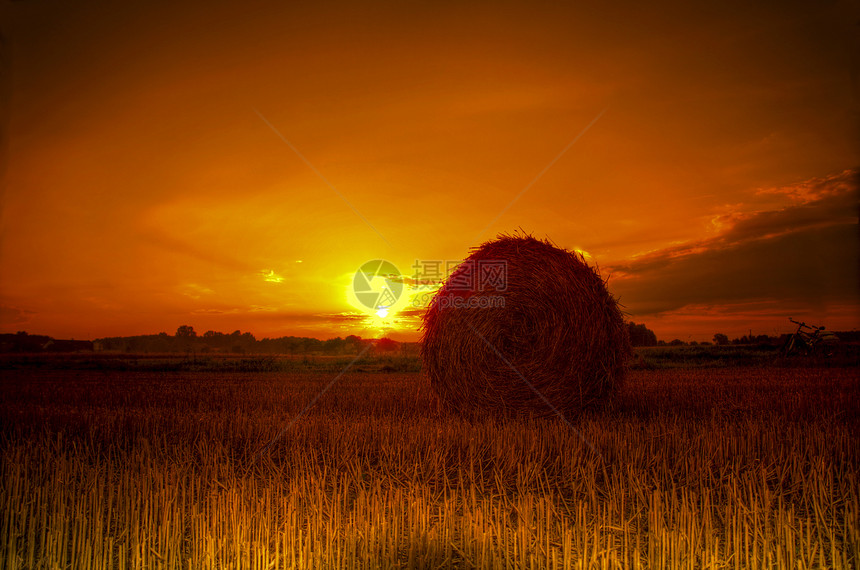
186,339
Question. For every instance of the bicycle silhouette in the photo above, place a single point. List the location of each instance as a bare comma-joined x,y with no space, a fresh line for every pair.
807,340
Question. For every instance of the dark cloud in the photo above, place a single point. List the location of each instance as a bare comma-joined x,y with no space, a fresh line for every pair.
14,315
339,317
412,312
806,254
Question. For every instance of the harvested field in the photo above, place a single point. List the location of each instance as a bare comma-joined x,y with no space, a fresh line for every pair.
743,467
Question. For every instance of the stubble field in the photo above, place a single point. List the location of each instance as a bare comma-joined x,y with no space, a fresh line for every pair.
704,468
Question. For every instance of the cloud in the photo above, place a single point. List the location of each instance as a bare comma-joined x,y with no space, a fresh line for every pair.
270,276
236,310
195,291
14,315
415,312
805,253
338,317
176,245
815,188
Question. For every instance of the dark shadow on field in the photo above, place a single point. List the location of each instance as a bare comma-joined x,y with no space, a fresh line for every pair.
194,362
374,417
794,394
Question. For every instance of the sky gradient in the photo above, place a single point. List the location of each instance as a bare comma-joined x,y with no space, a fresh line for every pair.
231,165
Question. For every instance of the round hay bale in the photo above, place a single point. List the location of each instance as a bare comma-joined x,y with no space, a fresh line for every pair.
549,338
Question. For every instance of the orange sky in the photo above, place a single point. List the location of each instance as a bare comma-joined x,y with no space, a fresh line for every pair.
231,165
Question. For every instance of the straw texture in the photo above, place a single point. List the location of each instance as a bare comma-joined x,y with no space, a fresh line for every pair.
559,340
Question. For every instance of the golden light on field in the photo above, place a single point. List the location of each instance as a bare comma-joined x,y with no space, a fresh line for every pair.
711,467
222,165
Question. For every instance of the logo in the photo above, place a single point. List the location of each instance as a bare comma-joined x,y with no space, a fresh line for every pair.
377,285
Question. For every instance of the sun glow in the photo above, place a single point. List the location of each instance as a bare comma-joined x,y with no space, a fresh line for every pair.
383,318
585,255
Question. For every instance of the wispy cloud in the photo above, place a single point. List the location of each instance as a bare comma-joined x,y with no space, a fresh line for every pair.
816,188
195,290
270,276
163,240
235,310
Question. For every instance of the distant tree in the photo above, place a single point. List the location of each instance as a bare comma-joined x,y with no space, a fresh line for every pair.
186,331
640,335
310,345
721,339
387,345
845,336
333,346
764,340
352,343
291,344
676,342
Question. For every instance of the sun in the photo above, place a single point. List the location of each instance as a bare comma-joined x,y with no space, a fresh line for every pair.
383,317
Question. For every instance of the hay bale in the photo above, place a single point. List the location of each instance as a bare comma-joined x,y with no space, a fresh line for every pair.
558,339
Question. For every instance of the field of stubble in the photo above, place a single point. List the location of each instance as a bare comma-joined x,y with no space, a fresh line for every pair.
707,468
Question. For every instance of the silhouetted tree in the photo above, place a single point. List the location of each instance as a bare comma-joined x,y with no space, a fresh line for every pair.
352,343
721,339
186,331
386,345
333,346
640,335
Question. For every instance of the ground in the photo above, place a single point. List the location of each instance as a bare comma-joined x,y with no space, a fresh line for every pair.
699,468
